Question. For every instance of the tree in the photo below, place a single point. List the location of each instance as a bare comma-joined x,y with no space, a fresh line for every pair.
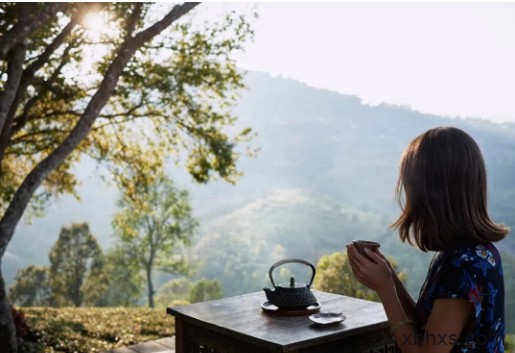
180,291
75,260
153,224
124,281
334,275
205,290
508,263
67,92
173,292
31,287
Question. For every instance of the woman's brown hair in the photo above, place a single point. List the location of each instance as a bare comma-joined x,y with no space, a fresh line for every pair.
442,178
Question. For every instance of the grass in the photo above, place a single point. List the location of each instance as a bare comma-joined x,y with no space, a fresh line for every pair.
88,330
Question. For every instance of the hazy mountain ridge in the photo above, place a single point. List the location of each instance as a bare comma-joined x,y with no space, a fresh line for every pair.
291,223
314,145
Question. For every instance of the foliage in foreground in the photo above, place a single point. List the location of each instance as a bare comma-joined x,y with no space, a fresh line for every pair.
88,330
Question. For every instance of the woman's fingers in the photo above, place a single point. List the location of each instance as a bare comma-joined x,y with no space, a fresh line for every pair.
352,262
358,265
371,270
374,256
351,258
379,253
359,259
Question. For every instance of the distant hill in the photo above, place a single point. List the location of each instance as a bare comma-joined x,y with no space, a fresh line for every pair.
239,248
325,174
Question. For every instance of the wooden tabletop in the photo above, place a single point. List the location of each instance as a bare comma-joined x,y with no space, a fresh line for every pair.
241,317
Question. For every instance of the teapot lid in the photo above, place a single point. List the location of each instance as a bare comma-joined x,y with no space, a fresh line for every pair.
292,284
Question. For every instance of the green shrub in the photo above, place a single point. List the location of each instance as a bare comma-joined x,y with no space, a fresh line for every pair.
89,330
509,346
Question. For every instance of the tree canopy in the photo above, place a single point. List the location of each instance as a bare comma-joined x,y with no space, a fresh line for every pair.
205,290
150,78
75,261
31,287
154,223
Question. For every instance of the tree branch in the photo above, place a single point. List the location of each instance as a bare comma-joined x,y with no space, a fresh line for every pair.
22,138
8,129
27,78
22,120
177,12
42,59
133,20
14,74
27,25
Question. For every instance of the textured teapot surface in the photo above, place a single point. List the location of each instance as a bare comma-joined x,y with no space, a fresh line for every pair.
293,294
291,297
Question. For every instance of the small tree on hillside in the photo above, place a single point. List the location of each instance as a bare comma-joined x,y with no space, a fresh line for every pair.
154,222
31,287
123,278
205,290
75,260
173,291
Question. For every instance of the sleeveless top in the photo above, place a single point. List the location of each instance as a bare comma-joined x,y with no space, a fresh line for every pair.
473,272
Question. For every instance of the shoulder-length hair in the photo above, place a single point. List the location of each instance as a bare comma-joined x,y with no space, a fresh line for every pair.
442,192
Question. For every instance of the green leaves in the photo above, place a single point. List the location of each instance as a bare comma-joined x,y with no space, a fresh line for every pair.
93,329
334,275
31,287
175,94
75,261
155,222
205,290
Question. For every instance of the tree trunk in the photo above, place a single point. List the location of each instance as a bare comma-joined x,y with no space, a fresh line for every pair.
150,286
8,338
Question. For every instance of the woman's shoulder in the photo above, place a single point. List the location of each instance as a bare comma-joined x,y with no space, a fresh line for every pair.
479,250
475,257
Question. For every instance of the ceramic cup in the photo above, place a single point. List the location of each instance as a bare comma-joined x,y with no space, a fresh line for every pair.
362,244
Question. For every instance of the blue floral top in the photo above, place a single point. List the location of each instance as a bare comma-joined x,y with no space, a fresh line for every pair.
472,272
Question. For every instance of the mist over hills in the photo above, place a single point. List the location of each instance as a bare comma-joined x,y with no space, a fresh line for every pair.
325,174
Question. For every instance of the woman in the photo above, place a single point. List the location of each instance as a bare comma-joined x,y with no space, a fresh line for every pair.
442,182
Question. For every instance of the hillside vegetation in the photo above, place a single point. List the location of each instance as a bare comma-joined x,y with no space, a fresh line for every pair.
69,330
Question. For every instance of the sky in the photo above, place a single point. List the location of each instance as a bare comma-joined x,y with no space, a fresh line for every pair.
451,59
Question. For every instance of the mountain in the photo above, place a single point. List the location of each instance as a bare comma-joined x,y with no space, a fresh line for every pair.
324,174
239,247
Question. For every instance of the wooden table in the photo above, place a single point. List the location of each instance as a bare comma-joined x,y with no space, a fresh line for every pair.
239,325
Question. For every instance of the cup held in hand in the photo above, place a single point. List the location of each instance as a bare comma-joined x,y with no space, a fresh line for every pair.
362,244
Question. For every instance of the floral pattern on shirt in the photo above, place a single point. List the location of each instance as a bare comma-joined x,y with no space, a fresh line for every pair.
472,272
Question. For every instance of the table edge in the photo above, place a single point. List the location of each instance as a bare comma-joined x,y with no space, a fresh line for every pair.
267,344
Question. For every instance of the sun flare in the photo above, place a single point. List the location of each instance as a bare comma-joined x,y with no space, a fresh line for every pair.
95,22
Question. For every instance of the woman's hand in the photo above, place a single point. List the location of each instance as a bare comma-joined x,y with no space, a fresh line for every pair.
376,273
392,270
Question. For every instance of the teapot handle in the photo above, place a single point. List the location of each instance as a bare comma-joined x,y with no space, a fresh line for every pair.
279,263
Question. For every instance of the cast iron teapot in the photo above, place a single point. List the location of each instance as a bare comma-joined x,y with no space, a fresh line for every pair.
292,295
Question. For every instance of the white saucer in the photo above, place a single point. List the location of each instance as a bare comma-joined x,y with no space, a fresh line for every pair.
327,318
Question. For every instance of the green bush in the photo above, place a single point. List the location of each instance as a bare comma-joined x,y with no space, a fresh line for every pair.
89,330
510,344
